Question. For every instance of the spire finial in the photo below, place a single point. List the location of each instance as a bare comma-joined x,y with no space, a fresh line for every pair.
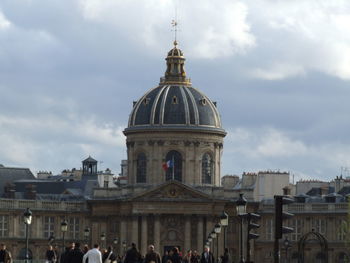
174,23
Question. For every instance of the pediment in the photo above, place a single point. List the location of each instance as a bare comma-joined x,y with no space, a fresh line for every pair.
172,191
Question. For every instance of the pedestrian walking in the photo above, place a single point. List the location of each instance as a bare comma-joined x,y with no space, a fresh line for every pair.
226,257
93,255
176,258
109,256
207,256
132,255
75,255
5,255
187,257
195,258
51,256
152,256
166,257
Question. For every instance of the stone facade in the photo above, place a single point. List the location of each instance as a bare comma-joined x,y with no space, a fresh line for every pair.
192,147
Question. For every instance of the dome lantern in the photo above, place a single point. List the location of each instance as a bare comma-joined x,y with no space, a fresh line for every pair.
175,72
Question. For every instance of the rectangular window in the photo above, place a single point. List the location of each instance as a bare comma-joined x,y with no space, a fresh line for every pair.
297,225
319,225
73,227
342,229
269,229
49,226
4,223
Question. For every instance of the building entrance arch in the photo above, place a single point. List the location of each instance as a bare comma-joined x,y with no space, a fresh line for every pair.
322,256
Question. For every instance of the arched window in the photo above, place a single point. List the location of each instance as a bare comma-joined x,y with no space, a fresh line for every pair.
207,169
141,169
174,172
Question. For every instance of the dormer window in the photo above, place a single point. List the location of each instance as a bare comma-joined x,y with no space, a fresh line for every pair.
203,101
146,101
175,101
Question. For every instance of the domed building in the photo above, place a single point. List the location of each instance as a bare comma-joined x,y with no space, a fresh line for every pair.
177,127
174,144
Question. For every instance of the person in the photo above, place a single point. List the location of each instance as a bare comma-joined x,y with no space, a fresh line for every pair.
109,256
5,255
166,257
226,257
93,255
64,255
187,257
207,256
195,258
152,255
51,256
75,255
132,255
176,258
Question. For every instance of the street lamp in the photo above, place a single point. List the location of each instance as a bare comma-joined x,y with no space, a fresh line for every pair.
124,246
241,206
103,238
27,218
86,234
217,230
64,228
287,245
224,224
115,242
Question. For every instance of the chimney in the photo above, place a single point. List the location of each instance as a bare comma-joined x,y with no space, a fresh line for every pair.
30,192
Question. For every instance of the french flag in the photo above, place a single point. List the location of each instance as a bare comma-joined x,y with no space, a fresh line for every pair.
167,165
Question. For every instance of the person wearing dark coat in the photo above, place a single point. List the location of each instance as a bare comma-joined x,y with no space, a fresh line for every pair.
132,255
51,256
75,255
152,256
176,258
207,256
165,257
226,257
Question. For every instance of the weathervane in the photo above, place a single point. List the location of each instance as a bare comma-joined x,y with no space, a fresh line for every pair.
174,24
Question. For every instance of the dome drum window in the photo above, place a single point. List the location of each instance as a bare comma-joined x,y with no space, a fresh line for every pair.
141,168
207,168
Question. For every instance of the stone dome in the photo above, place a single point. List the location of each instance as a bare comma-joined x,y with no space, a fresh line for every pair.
175,104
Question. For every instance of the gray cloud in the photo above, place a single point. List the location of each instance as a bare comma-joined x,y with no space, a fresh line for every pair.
69,72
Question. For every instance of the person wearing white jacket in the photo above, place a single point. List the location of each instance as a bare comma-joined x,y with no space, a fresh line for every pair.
93,255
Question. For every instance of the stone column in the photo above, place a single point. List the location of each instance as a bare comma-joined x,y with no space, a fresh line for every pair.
135,230
157,233
143,248
187,243
200,235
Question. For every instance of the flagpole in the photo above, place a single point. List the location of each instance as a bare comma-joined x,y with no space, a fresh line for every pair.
173,168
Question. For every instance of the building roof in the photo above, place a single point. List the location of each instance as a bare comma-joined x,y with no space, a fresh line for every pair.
175,104
10,174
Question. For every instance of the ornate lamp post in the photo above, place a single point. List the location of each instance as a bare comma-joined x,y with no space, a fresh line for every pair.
213,235
87,234
287,245
217,230
103,239
64,228
241,206
115,243
124,246
27,216
224,224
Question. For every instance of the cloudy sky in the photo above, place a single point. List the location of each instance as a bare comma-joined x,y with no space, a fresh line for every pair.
279,70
